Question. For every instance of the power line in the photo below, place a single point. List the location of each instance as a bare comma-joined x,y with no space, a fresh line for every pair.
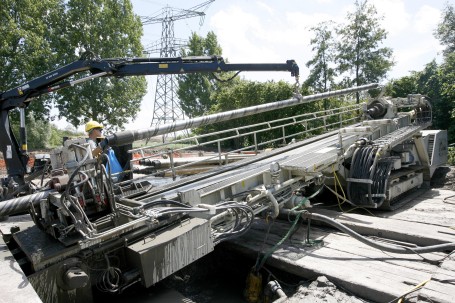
167,104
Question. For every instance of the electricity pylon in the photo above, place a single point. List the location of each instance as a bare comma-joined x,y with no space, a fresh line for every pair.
167,104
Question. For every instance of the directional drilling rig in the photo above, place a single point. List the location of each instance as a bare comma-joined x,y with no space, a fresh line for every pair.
92,233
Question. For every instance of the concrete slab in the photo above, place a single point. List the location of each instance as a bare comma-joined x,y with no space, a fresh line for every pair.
14,286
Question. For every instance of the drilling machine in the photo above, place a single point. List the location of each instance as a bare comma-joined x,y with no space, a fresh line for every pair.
91,233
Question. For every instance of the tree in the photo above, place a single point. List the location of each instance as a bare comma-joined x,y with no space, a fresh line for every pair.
322,75
31,34
359,54
447,80
39,36
110,29
248,93
446,29
39,132
195,90
403,86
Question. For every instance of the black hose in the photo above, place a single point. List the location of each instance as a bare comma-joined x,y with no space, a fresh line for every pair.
380,246
160,202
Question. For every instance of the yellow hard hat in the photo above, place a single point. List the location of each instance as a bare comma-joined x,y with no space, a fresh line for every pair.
91,125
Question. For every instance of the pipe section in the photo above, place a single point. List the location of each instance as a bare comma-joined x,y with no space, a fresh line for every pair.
21,204
130,136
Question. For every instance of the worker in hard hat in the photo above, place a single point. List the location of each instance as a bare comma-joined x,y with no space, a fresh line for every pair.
94,131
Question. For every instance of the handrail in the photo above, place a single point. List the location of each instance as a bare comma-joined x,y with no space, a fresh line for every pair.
346,115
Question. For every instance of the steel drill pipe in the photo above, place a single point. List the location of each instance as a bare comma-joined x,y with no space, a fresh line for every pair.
130,136
21,204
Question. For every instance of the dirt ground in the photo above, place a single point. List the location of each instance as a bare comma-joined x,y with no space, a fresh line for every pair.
322,290
444,178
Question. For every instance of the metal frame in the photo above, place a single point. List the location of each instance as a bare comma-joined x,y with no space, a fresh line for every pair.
352,110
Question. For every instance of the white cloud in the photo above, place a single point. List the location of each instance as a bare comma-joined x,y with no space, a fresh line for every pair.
426,19
276,37
237,32
396,18
266,7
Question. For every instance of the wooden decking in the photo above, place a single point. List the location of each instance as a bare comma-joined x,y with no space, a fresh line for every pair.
427,219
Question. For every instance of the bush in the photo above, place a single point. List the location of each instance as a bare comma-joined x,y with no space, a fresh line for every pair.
451,156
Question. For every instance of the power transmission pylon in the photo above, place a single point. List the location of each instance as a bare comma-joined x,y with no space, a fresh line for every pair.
167,104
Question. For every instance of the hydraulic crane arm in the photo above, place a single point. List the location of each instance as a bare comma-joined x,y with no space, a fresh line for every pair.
15,154
121,67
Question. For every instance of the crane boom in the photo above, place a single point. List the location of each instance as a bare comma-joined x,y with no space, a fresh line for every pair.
15,154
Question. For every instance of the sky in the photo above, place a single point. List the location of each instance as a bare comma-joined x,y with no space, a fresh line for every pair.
263,31
271,31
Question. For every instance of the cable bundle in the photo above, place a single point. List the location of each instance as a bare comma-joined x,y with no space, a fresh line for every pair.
244,216
368,177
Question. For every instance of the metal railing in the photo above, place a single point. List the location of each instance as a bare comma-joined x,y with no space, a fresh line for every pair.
297,127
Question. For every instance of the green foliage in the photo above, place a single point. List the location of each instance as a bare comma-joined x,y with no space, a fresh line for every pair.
446,75
57,135
39,36
429,84
112,101
30,35
249,93
195,90
43,135
360,58
436,82
446,29
402,87
451,156
38,133
322,74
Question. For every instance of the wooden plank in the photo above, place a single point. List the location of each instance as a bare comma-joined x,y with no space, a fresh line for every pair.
441,288
362,270
435,207
411,232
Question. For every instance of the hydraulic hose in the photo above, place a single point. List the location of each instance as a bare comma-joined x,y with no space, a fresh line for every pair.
276,289
276,206
385,247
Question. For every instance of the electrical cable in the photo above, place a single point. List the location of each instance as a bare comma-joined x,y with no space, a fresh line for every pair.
265,239
225,80
350,202
281,281
110,278
385,247
242,212
110,189
158,202
67,189
415,288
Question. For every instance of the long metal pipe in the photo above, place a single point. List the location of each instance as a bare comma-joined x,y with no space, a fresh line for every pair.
22,204
130,136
